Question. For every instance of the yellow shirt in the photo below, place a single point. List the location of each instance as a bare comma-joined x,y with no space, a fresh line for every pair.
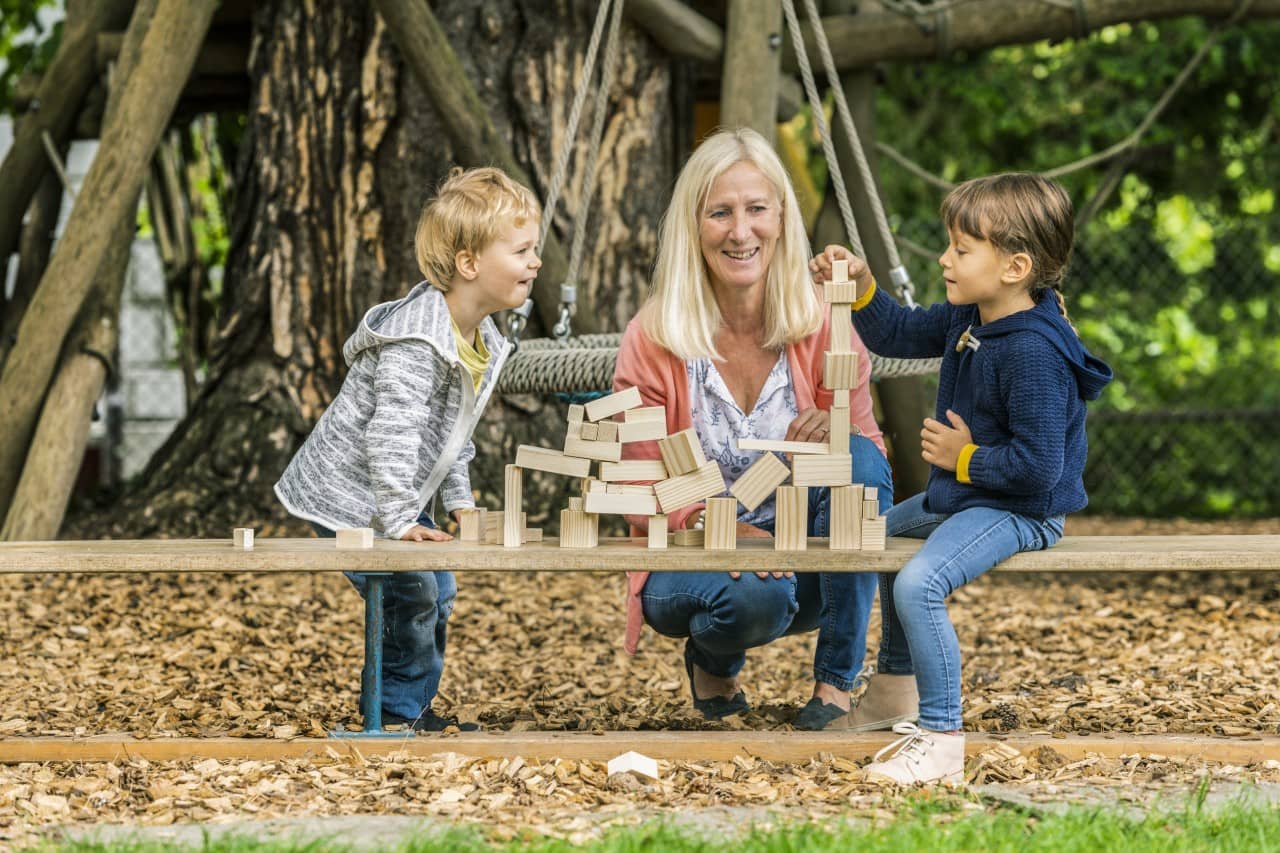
474,358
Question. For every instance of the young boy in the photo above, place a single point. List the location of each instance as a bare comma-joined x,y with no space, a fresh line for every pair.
421,369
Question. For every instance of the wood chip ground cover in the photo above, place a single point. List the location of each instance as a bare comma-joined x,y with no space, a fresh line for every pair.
279,657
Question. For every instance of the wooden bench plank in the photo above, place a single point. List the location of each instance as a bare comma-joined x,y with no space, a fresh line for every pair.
1260,553
792,747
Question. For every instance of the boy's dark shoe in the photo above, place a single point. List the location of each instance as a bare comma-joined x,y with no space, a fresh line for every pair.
429,721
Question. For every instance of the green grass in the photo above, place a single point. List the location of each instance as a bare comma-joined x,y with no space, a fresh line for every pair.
923,824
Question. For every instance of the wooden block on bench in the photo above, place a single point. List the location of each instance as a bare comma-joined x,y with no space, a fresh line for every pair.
804,447
846,518
633,469
604,503
532,534
841,294
645,413
791,530
841,328
838,437
355,538
873,534
494,525
512,516
692,538
833,469
758,482
589,432
682,452
242,538
658,531
840,369
578,529
870,508
650,430
720,523
604,407
551,461
681,491
577,414
600,451
471,524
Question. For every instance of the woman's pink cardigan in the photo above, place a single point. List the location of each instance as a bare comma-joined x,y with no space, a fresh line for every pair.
662,381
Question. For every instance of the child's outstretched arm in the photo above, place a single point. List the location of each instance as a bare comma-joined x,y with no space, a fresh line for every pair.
886,327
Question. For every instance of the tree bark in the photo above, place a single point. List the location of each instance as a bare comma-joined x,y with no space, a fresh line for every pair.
342,148
749,83
109,194
33,254
53,111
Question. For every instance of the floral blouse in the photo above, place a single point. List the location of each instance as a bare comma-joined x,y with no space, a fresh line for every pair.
719,422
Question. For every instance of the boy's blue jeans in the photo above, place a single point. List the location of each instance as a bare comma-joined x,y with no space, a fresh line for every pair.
916,634
723,617
415,612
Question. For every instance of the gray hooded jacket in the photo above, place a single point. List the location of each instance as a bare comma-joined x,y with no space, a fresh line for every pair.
401,426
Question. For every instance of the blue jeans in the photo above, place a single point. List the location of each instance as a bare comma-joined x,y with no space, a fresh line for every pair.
723,617
415,612
916,634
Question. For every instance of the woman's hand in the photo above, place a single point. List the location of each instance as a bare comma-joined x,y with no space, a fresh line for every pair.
750,531
421,533
820,267
810,425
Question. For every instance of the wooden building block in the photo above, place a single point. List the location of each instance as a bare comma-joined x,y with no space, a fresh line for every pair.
840,270
841,329
495,525
633,469
834,469
873,534
791,528
680,491
471,524
689,538
840,293
629,489
589,432
642,430
870,493
840,398
594,485
635,764
840,369
838,438
600,451
645,413
577,504
532,534
551,461
846,518
682,452
604,407
758,482
578,529
658,531
870,509
603,503
242,538
814,447
577,414
721,524
355,538
512,516
607,431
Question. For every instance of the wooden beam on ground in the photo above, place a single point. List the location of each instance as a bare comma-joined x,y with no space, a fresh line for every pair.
109,194
427,50
749,82
870,37
1074,554
780,747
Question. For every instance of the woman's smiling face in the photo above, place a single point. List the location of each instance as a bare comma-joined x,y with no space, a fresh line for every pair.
739,227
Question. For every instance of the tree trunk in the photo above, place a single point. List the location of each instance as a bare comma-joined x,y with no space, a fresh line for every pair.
749,82
341,150
33,254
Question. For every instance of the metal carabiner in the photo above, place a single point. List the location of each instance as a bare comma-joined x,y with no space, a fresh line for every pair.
568,306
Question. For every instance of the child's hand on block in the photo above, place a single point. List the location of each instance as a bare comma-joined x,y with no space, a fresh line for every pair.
419,533
859,273
941,443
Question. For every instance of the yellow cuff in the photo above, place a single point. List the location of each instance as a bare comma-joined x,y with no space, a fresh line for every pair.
864,298
962,463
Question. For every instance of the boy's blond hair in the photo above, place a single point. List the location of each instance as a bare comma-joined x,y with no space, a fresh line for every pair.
681,314
467,214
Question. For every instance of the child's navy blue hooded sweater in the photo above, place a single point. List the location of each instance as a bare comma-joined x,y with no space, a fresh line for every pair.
1022,391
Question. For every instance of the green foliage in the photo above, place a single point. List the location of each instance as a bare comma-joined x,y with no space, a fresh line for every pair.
19,53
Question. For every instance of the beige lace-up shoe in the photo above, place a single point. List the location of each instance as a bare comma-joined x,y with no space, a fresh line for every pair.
921,757
887,701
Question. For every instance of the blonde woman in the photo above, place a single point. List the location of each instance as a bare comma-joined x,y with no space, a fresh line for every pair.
731,342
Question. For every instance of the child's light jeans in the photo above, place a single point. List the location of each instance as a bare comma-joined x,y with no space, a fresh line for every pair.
916,633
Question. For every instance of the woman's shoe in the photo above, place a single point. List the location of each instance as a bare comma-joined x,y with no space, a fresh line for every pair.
717,707
921,757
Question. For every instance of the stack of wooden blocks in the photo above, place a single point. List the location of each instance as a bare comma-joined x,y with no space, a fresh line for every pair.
856,523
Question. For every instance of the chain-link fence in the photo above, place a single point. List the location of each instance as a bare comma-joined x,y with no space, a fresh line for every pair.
1192,329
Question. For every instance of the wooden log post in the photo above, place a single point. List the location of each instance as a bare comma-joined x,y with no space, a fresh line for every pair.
53,110
109,194
427,51
749,82
34,249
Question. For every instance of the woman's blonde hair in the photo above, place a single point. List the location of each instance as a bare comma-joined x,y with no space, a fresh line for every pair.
470,209
681,313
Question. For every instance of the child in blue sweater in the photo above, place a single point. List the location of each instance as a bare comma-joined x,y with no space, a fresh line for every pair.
1007,444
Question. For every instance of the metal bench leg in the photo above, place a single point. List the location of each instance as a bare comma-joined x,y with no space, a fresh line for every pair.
371,675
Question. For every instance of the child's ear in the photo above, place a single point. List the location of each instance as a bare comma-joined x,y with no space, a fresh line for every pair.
1017,268
465,263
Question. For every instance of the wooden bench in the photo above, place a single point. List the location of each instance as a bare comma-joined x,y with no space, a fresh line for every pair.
1082,554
